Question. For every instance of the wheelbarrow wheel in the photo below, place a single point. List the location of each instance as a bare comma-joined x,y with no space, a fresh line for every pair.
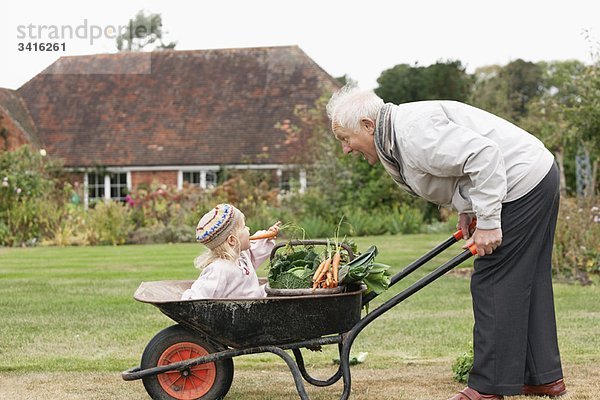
209,381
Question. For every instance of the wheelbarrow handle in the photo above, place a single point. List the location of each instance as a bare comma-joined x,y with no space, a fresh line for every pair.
418,263
409,291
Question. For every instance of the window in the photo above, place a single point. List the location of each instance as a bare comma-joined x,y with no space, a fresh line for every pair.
99,185
202,179
95,186
285,181
193,178
211,179
118,186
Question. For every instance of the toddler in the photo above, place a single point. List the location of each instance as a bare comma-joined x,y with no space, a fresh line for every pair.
228,268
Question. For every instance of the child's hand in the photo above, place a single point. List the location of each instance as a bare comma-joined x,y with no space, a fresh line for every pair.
270,234
275,227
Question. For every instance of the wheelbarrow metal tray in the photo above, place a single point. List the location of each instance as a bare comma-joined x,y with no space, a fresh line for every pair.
256,321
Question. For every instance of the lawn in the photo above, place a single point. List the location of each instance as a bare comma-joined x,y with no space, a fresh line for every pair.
70,326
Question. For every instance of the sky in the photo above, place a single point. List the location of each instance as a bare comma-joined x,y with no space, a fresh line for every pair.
360,39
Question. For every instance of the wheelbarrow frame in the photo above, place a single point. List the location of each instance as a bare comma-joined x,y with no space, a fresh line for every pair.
343,340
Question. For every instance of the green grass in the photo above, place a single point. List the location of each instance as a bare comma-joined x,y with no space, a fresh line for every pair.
71,309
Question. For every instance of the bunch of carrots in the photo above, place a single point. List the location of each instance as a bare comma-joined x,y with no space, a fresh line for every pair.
327,273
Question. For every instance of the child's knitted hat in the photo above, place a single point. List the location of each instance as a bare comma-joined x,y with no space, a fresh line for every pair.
217,224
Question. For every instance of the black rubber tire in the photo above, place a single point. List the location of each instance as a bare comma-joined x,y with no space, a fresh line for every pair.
176,334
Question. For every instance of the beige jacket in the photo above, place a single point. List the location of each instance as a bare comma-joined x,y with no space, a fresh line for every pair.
457,155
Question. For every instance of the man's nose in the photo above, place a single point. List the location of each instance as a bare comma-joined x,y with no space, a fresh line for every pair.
346,149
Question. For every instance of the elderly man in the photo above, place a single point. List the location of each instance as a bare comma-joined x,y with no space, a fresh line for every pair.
452,154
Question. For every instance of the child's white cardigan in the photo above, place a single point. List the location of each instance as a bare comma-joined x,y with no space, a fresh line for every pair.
227,279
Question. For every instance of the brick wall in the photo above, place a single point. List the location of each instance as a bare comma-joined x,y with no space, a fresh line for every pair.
148,177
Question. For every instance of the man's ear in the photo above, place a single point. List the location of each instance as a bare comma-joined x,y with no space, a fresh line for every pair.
368,124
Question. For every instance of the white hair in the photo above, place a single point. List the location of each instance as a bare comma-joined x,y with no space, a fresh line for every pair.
350,104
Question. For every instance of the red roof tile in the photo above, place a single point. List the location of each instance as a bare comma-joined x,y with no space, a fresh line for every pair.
173,107
15,118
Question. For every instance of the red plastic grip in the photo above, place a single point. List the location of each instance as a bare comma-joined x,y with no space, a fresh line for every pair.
473,249
459,234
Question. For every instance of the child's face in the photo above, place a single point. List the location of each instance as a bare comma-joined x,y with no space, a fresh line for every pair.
244,236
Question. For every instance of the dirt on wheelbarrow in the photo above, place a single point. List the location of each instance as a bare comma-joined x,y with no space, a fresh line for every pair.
409,381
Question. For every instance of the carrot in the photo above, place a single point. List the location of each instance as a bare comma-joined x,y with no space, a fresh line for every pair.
265,235
329,280
335,265
319,269
322,273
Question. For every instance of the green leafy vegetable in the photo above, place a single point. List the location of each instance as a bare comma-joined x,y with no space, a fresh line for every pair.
295,278
293,269
363,268
378,278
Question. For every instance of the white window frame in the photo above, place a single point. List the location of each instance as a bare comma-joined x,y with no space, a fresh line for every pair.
301,178
106,186
203,174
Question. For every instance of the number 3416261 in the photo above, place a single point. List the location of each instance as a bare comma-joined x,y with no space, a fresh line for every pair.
41,46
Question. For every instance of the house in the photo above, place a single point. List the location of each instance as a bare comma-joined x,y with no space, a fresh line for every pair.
16,126
120,120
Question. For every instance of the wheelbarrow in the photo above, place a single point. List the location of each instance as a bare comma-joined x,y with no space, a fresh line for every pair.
194,359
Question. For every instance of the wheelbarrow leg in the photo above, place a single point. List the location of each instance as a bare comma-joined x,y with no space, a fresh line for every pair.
293,368
345,365
317,382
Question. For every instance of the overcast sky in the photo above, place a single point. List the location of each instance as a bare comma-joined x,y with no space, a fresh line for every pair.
358,38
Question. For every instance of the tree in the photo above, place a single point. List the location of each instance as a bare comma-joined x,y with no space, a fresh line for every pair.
546,119
144,30
584,117
490,92
346,80
442,80
524,82
506,91
401,84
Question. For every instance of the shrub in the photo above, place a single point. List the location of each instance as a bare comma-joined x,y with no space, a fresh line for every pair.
108,223
405,220
315,227
366,223
462,365
250,191
446,225
63,224
27,181
161,205
576,250
162,234
265,216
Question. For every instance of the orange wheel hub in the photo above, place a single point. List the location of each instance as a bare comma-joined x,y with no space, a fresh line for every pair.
190,383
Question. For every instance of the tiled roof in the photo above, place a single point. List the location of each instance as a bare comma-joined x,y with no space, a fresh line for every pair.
16,119
173,107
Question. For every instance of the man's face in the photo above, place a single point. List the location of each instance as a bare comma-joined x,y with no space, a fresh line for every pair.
357,142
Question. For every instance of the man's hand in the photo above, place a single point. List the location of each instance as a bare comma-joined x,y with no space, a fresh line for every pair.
464,220
486,240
